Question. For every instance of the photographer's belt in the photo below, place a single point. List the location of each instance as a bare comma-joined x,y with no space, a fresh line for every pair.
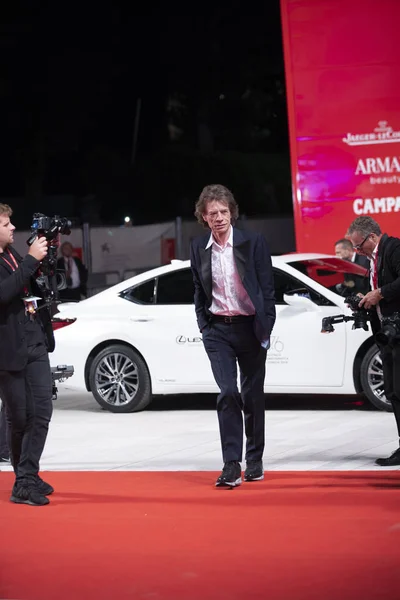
30,302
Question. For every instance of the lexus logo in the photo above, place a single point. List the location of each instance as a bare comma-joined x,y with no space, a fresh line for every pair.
182,339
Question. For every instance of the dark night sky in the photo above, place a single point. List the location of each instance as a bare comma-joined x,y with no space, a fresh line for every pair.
71,75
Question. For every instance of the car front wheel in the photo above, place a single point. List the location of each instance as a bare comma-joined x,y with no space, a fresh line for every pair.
119,380
371,375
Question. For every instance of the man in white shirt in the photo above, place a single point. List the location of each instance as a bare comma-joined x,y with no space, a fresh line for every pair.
235,309
344,249
383,303
75,274
353,283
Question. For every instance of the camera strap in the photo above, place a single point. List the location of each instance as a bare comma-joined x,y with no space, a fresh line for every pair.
375,273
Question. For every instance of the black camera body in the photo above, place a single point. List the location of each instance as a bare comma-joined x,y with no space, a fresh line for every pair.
390,330
360,316
50,228
390,326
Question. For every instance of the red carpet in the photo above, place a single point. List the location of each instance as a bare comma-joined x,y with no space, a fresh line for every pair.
300,536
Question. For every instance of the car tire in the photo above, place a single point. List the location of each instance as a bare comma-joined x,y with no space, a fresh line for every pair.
119,380
371,376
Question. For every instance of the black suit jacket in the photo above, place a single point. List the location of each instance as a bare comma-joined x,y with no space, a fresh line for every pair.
13,344
363,261
388,267
359,283
82,270
253,262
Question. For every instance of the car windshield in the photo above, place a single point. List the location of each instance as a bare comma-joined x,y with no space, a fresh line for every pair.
335,274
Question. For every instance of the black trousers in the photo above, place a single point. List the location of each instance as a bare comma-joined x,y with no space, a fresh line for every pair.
228,345
391,377
4,433
27,395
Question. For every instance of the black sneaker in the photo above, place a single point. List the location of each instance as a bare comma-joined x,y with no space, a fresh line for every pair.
43,487
254,470
5,459
28,494
231,475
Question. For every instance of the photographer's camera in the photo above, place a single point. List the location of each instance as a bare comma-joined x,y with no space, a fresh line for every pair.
390,330
49,228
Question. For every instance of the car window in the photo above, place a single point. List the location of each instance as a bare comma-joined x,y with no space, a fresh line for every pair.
175,288
335,274
287,284
143,293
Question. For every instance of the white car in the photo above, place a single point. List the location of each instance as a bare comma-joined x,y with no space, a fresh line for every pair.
140,338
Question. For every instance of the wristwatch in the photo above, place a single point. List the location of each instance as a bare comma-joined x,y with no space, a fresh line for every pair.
380,292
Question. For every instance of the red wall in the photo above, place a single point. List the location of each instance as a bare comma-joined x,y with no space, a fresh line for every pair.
342,63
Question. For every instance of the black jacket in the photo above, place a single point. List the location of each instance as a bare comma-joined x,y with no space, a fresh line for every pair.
361,260
355,284
253,262
388,267
13,343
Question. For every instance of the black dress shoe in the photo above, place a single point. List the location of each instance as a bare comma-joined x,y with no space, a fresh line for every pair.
391,461
254,471
231,475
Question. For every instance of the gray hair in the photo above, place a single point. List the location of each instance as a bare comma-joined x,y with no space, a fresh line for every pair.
365,226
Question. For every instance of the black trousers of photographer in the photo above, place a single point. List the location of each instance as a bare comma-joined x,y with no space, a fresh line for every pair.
391,377
27,395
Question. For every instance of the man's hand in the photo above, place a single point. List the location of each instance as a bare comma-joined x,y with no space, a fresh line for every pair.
39,248
371,299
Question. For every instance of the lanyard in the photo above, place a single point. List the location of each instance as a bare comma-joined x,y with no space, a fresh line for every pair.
375,275
13,264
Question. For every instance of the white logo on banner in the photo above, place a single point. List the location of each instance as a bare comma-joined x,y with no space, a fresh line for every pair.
382,134
371,206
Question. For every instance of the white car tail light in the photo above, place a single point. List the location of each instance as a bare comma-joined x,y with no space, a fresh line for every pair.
60,323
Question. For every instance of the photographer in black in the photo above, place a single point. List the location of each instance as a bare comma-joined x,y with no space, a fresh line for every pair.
383,302
25,375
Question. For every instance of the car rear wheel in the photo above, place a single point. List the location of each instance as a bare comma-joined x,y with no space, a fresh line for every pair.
119,380
371,375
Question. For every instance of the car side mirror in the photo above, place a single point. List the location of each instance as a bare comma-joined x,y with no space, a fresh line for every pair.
301,300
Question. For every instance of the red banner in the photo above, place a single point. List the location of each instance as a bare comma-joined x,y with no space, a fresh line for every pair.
342,64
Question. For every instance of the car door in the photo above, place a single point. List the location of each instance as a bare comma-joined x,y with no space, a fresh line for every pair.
164,322
300,355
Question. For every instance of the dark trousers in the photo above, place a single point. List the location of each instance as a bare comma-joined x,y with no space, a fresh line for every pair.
228,345
28,398
4,433
391,378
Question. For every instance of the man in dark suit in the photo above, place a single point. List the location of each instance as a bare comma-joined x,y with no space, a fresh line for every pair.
75,272
235,308
383,301
25,374
353,284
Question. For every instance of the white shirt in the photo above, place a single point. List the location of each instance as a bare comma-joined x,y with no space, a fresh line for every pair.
71,264
229,296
